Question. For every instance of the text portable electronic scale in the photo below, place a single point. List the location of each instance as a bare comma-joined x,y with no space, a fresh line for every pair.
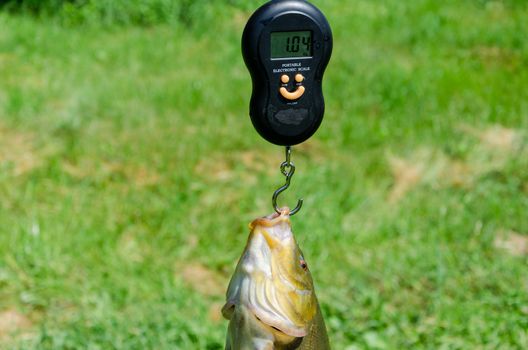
286,46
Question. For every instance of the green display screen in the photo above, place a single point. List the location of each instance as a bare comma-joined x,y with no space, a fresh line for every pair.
291,44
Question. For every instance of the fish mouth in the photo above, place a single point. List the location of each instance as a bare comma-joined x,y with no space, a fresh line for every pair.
272,219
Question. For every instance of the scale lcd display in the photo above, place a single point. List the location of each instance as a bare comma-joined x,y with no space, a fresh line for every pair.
291,44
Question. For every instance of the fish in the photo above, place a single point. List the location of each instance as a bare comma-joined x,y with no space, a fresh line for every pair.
270,301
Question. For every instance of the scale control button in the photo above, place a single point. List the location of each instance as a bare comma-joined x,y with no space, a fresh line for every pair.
295,95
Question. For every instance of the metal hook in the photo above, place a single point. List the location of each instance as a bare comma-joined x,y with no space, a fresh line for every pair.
287,169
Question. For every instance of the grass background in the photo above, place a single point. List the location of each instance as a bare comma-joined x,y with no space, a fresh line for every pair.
129,170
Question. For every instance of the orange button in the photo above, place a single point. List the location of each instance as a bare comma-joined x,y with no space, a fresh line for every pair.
299,78
285,79
295,95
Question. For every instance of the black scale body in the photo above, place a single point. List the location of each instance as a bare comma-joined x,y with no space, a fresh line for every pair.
290,115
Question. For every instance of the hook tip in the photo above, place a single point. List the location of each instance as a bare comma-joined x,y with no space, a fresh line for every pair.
297,208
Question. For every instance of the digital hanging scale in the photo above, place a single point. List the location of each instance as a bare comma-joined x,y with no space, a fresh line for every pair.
286,46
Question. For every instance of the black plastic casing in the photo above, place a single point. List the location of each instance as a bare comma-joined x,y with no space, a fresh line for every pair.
278,120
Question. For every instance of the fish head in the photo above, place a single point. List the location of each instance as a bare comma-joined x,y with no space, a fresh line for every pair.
272,280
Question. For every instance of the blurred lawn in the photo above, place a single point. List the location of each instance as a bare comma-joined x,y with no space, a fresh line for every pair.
129,170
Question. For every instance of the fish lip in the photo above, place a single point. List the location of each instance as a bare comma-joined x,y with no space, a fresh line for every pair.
272,219
284,211
288,330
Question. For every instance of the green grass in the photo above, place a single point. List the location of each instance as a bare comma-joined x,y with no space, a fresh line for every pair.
127,158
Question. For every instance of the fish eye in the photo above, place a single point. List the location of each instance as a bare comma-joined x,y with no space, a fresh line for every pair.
304,266
302,262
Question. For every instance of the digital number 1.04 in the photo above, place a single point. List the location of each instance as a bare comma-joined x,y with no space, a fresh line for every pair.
291,44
